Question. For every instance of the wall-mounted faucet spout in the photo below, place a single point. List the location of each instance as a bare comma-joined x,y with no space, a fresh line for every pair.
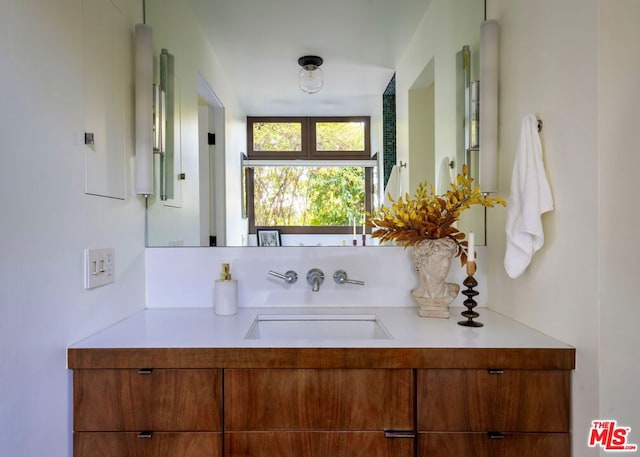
315,278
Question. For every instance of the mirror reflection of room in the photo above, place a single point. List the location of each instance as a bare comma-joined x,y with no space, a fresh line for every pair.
399,82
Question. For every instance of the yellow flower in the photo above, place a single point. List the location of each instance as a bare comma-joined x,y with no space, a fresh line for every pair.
430,216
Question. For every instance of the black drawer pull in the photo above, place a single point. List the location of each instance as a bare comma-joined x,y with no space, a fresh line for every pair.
399,434
146,435
495,435
145,371
495,371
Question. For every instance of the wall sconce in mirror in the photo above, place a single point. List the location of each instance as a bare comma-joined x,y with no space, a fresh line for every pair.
310,77
167,87
472,117
158,116
163,124
468,107
143,110
488,178
154,116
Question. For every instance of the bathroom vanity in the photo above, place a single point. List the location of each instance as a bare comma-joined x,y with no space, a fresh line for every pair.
186,382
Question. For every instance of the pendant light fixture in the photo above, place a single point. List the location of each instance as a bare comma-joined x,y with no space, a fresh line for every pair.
310,78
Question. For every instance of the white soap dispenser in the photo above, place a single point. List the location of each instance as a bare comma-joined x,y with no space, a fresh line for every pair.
225,293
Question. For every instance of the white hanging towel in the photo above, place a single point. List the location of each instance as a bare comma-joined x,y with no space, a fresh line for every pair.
530,198
393,186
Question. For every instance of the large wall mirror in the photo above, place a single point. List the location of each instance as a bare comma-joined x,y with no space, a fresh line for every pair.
222,48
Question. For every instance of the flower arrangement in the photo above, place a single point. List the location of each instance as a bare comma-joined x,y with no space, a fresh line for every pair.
430,216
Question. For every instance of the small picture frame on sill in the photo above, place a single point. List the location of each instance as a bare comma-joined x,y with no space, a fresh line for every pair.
269,237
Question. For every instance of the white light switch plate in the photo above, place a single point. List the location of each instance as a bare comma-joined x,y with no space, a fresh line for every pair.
99,267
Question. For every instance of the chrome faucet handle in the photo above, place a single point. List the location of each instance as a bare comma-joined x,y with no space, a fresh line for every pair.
289,277
341,277
315,277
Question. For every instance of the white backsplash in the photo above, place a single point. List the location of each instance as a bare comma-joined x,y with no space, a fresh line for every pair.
184,277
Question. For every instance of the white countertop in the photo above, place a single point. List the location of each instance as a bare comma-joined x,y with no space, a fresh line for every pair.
202,328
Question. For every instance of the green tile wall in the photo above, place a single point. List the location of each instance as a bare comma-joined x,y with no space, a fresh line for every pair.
389,128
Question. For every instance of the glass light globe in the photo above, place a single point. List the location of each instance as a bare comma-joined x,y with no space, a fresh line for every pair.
310,79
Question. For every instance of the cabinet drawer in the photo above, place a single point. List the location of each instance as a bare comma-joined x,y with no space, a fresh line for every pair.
482,445
160,444
327,399
158,400
487,400
316,444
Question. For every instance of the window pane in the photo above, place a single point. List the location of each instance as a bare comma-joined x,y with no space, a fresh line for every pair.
306,196
340,136
277,136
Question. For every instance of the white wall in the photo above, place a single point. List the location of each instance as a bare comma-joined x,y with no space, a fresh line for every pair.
47,221
619,213
422,136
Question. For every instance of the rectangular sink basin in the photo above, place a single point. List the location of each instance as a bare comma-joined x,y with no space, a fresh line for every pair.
317,326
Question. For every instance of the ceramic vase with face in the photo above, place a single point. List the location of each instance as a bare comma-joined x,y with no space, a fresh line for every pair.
432,261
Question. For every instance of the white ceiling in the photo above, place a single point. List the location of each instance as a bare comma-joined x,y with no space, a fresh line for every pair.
259,42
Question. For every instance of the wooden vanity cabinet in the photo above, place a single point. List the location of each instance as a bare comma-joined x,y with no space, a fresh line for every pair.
493,412
318,402
319,412
147,412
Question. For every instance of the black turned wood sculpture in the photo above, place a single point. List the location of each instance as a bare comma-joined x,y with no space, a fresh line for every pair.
470,282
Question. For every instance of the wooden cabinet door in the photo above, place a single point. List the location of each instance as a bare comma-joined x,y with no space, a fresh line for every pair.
316,444
482,445
319,399
159,400
159,444
493,400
